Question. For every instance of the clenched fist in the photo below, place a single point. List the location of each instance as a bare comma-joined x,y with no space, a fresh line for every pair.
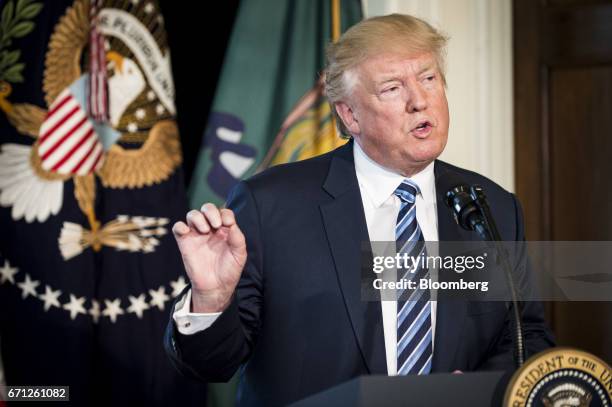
214,253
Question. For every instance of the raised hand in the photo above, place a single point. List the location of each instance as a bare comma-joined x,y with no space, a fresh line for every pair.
214,253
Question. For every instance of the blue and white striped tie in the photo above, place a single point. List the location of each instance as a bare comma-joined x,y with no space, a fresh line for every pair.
414,334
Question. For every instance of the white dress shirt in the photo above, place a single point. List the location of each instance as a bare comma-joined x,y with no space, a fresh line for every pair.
377,185
381,206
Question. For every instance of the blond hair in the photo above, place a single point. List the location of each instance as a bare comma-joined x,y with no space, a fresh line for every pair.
373,36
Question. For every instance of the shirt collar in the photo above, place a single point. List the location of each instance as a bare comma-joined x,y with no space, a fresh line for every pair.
379,182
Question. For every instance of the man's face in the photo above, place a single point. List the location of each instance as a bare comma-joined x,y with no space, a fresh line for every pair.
397,110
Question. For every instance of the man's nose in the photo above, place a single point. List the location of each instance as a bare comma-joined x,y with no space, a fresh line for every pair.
417,100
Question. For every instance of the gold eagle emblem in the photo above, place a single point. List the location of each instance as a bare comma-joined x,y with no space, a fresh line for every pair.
142,145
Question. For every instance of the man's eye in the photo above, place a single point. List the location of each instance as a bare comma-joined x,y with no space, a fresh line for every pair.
391,89
430,78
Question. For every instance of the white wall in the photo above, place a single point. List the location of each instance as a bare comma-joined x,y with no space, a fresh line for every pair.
479,76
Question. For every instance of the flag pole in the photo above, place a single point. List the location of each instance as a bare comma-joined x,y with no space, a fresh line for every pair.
335,28
335,20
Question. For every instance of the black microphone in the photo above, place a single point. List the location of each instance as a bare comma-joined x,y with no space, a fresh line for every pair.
472,212
466,212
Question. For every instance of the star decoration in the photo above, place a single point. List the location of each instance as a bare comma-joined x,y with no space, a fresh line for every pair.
94,311
138,305
150,95
7,273
132,127
177,286
75,306
159,109
159,297
50,298
28,287
140,114
149,8
113,308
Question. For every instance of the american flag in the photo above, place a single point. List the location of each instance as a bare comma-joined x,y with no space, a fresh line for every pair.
68,142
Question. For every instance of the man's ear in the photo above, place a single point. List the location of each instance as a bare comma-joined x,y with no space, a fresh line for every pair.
348,117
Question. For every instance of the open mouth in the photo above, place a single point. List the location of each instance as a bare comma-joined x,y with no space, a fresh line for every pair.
423,128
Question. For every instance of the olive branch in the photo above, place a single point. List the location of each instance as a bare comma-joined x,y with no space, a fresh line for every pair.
14,23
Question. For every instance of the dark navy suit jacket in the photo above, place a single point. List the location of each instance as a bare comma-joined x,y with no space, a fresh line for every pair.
298,325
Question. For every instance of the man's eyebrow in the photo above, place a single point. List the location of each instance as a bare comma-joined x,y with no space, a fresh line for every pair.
387,80
397,77
426,68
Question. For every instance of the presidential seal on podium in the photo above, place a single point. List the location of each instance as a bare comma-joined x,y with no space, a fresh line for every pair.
561,377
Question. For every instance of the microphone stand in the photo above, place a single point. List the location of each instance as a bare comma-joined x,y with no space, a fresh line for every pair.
493,235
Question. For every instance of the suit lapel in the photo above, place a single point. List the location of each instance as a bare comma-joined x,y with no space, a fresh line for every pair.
346,230
450,313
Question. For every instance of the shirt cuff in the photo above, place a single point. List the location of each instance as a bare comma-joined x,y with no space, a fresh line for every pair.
189,323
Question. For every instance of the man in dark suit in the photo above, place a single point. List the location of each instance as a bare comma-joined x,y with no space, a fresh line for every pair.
276,277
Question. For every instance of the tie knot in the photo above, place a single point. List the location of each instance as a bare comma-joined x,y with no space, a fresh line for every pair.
407,191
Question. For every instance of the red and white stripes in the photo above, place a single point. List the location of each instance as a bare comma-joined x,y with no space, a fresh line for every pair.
68,143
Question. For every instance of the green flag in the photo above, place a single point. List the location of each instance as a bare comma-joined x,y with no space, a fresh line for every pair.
269,105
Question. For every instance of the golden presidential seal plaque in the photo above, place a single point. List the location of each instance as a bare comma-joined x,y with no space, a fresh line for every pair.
561,377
